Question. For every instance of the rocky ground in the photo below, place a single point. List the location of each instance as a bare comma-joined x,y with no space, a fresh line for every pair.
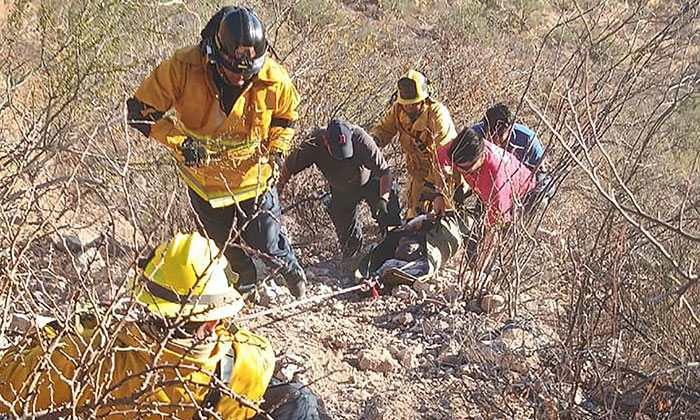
424,353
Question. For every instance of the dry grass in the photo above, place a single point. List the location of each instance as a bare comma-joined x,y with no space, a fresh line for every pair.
610,87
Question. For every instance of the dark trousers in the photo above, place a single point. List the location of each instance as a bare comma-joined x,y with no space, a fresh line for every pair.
262,233
543,192
292,401
343,212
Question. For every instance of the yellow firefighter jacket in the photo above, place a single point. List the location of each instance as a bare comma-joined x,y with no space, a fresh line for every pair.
419,141
121,377
181,89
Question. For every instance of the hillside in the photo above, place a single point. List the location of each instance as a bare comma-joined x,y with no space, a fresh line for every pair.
601,318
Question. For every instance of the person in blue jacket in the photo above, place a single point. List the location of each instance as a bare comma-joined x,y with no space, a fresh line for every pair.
498,127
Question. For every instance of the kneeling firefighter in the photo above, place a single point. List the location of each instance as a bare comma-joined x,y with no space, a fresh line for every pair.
177,359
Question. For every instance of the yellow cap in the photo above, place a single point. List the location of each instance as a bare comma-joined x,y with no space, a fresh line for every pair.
413,88
186,277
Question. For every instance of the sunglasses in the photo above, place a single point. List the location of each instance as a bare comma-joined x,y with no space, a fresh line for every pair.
467,167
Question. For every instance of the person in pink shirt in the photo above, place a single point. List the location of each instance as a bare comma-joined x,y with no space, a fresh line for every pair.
497,177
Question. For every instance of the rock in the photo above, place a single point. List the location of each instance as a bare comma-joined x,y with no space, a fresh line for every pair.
403,319
376,409
492,303
424,289
528,302
450,353
73,243
514,350
295,358
474,306
286,374
292,365
266,293
453,293
404,292
337,341
21,322
376,360
337,306
323,289
409,357
516,338
91,261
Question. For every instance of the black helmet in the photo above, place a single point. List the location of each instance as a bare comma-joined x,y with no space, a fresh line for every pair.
239,43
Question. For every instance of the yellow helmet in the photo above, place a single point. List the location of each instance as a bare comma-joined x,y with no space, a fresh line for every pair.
413,88
187,277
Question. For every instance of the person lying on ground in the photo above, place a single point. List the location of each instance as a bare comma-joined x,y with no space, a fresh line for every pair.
176,358
227,111
356,170
498,178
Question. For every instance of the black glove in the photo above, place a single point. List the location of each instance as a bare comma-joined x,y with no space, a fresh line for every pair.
195,154
460,195
382,212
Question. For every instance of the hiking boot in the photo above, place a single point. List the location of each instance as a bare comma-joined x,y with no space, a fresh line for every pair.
296,282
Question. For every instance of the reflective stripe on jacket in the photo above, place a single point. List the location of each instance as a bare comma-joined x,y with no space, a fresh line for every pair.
420,139
128,383
239,143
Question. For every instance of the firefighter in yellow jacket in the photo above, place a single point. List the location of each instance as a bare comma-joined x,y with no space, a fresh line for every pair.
422,124
178,360
227,110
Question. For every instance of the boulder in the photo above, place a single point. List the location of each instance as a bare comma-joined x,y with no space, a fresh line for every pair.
376,360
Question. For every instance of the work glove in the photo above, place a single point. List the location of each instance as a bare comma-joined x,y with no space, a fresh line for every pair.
194,153
382,212
460,195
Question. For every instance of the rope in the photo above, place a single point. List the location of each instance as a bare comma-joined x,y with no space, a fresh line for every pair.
365,285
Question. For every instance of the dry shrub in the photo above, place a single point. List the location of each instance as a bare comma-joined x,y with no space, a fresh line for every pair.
610,89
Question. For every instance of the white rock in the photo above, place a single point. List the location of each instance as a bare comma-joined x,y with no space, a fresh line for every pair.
286,374
322,289
295,359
